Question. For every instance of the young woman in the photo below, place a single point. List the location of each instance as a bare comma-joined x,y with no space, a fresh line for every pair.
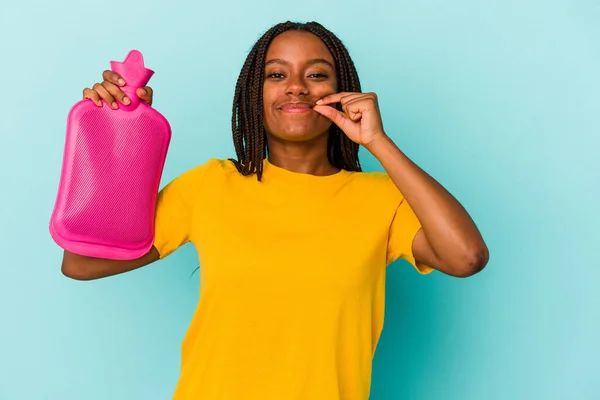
293,239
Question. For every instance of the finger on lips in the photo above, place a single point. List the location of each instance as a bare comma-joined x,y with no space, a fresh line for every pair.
341,97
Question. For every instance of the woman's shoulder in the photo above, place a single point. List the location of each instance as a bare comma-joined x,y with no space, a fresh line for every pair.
220,167
373,178
376,183
213,171
197,171
211,165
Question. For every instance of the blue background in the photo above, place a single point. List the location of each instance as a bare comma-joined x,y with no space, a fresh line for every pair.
499,101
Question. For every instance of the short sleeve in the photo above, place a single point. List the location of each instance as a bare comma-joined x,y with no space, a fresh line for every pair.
175,208
403,230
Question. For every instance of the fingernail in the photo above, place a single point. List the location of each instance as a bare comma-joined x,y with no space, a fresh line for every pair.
115,105
142,91
121,82
126,100
319,101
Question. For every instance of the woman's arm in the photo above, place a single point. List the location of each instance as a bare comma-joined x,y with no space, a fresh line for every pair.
87,268
449,240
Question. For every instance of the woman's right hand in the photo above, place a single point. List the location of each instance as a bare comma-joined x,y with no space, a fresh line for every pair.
110,91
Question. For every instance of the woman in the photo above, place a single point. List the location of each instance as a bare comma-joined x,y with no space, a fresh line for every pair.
293,239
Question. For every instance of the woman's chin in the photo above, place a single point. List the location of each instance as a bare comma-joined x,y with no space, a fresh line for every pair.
301,134
298,136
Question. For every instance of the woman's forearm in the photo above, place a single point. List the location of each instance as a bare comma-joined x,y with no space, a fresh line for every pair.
450,231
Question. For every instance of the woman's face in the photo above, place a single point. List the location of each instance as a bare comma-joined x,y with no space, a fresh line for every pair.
299,70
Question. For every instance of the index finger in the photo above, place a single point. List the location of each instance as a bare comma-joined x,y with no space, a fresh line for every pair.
333,98
113,77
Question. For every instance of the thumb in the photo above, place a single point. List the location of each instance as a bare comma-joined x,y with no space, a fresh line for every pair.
338,117
145,93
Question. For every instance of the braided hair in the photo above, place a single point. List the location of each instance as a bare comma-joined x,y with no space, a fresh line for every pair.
247,124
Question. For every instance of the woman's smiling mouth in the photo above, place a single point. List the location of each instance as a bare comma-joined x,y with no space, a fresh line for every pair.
296,107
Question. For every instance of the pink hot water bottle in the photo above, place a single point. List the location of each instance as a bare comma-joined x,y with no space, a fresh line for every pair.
111,170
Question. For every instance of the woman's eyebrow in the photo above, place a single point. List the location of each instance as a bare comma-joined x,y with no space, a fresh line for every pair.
310,62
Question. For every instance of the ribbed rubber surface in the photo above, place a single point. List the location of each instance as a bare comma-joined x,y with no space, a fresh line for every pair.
114,167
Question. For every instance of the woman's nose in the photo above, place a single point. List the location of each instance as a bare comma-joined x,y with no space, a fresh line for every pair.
297,87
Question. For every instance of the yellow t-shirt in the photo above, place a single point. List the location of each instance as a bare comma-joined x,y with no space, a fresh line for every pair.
292,278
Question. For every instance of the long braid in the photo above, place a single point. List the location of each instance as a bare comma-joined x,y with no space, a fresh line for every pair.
247,122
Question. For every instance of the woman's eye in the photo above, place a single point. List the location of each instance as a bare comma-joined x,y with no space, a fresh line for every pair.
278,75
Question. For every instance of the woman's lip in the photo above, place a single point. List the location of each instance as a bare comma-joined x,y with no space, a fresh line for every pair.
295,107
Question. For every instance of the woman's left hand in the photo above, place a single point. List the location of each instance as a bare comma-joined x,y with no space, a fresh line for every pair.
360,120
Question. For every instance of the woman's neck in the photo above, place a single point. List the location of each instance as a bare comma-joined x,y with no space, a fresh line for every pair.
305,157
